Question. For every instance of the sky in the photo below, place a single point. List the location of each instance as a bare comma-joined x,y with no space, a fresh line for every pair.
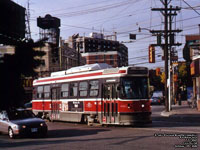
120,16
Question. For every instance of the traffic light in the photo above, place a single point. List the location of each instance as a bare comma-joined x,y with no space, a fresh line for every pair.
175,77
151,54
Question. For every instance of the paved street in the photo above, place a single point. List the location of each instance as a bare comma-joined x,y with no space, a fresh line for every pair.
165,133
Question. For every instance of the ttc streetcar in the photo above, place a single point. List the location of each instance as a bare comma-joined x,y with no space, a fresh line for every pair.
94,93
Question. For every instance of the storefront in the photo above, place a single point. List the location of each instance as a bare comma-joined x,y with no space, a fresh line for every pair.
195,72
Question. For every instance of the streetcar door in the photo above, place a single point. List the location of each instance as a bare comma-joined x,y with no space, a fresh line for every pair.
55,105
110,114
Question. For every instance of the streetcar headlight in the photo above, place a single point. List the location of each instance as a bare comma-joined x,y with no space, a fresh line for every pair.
142,105
23,126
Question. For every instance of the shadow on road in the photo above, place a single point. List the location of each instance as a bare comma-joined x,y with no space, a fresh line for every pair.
54,137
180,116
73,132
186,120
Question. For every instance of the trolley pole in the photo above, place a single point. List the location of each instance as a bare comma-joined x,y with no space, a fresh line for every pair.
78,55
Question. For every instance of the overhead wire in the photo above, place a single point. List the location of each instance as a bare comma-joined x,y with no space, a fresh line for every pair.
95,9
150,26
62,9
191,7
118,33
100,21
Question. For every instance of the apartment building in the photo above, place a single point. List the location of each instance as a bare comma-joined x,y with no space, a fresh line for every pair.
98,49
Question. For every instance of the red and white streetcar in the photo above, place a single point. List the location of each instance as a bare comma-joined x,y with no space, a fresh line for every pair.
94,93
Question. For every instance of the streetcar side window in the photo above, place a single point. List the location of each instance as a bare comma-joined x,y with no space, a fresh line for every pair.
65,90
40,92
47,91
73,89
83,89
94,88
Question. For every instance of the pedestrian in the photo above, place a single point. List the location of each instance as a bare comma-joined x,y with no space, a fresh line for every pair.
193,102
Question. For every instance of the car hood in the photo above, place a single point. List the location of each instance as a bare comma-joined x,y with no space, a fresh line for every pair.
27,121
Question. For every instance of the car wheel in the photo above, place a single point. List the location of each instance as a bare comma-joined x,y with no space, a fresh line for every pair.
11,133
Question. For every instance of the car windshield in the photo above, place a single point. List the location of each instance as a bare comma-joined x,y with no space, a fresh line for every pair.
157,94
23,114
134,87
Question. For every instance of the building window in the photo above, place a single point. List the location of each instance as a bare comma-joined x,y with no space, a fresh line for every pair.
112,62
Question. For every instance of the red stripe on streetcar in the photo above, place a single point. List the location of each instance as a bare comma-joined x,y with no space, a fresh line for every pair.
71,77
76,76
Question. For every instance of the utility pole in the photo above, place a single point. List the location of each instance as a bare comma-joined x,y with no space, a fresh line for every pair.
168,34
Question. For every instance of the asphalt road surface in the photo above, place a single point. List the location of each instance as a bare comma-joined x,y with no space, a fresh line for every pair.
161,135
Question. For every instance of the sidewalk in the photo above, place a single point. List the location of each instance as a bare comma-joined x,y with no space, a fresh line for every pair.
181,113
181,110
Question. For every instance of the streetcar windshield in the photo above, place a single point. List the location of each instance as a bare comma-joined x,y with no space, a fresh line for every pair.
134,88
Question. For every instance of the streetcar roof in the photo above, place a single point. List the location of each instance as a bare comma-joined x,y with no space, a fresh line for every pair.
89,67
91,71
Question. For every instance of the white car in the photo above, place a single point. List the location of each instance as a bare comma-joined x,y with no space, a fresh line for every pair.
21,122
